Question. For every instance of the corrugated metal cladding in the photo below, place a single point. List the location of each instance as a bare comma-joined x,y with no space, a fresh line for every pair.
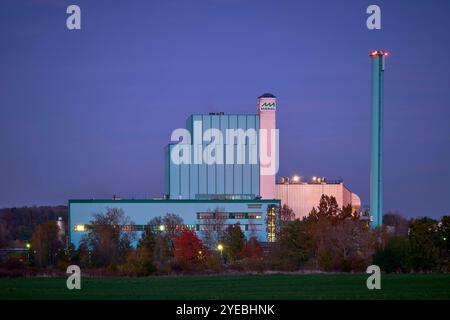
301,198
203,181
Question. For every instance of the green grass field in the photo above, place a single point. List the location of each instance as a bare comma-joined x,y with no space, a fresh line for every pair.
330,286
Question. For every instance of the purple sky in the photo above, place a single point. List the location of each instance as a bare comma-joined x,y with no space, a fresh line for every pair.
87,113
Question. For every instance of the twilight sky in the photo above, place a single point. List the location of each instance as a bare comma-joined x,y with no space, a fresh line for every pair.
86,114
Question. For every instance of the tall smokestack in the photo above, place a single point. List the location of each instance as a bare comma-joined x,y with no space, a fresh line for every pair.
376,212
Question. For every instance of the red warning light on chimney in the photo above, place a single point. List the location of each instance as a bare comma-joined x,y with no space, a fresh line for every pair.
378,53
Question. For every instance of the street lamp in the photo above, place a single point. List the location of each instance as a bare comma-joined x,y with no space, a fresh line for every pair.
296,179
28,246
220,248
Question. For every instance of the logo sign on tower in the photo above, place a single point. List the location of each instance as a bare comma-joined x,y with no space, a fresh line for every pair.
263,106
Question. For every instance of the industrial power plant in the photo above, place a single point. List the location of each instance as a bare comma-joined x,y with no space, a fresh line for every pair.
223,167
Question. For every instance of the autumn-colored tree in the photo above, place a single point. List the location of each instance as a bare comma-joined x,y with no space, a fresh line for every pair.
252,249
45,243
189,250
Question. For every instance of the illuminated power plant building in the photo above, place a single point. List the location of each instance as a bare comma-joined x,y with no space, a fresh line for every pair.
302,196
222,173
213,171
220,167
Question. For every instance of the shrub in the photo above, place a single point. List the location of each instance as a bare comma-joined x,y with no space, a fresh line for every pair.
325,260
394,256
213,263
138,262
252,249
253,264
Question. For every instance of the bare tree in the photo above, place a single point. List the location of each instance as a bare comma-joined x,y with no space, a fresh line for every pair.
343,243
212,226
109,239
173,224
252,228
159,238
396,223
287,214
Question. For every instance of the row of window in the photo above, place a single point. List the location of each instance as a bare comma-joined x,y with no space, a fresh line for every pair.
139,227
226,197
224,215
244,227
193,227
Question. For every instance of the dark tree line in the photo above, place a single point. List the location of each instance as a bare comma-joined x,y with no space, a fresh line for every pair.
20,223
425,247
330,238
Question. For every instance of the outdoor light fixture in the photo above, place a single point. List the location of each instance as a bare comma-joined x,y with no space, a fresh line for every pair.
296,179
80,228
220,247
162,228
28,245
